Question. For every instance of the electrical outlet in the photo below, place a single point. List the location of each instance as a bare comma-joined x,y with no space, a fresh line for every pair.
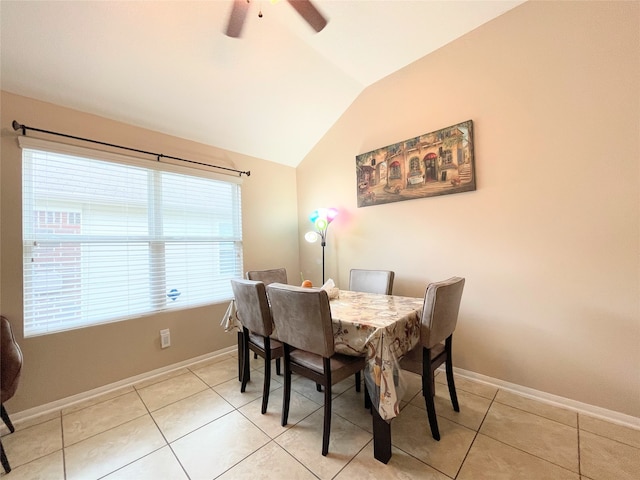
165,338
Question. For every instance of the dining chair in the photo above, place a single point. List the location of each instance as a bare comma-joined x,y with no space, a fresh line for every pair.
10,370
439,318
275,275
371,281
303,320
257,326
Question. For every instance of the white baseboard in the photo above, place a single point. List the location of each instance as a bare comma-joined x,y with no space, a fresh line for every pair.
81,397
555,400
598,412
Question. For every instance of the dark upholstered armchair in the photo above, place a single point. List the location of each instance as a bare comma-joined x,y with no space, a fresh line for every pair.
10,367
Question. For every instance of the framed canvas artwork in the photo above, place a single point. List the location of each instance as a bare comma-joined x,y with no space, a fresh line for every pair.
436,163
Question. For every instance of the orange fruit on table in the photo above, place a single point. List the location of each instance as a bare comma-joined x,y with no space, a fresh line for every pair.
307,284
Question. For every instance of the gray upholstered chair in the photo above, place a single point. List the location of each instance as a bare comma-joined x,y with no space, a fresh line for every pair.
439,318
276,275
303,320
257,326
371,281
10,369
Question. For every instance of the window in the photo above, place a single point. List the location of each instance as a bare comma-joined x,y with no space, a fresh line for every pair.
108,237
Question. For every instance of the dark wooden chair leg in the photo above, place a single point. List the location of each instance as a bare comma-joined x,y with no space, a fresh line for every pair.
278,372
246,371
286,395
449,369
3,458
367,398
240,355
267,374
428,392
6,419
326,431
358,376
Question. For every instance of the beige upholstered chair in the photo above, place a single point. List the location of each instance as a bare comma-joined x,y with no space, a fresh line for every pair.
10,368
371,281
276,275
257,326
303,320
439,318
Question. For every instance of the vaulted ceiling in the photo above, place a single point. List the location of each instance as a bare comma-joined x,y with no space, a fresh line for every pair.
169,67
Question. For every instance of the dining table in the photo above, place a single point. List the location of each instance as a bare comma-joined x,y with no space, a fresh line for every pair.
381,328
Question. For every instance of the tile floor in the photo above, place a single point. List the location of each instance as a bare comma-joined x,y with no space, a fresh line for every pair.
195,424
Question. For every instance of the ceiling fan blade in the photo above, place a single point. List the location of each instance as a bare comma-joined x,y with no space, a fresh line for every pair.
236,19
310,13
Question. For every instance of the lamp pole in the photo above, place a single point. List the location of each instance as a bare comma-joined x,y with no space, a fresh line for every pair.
321,219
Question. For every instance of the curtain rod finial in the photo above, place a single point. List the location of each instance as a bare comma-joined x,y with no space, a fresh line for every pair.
17,126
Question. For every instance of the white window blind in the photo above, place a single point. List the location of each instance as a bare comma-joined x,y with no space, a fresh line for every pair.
108,237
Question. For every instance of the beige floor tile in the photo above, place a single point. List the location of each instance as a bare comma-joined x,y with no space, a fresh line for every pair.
29,422
299,408
307,387
108,451
468,385
412,385
161,464
551,412
304,442
49,467
410,432
622,434
97,399
492,460
171,390
350,406
218,446
220,372
473,408
605,459
539,436
186,415
402,466
100,417
24,446
230,390
270,462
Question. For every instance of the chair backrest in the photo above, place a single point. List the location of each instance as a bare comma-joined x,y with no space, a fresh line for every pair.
371,281
10,361
302,317
440,311
275,275
252,306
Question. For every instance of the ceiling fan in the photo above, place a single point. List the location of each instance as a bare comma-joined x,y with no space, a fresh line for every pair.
305,8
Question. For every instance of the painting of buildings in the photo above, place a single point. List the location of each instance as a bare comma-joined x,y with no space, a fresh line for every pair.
436,163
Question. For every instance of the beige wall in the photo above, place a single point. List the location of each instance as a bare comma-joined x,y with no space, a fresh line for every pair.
549,242
64,364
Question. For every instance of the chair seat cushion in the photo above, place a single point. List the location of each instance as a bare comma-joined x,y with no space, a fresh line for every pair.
412,361
342,366
259,341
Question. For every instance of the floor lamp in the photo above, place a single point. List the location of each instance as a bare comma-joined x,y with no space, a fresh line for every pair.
321,218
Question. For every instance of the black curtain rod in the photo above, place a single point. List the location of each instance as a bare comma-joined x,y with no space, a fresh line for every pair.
16,126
